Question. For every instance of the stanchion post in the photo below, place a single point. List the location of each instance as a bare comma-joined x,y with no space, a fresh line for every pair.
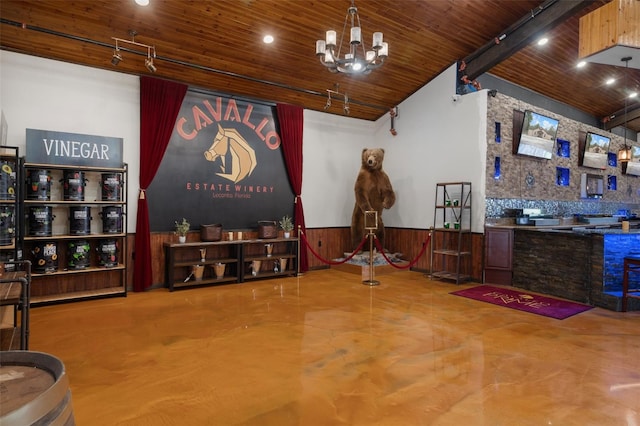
298,253
371,225
431,253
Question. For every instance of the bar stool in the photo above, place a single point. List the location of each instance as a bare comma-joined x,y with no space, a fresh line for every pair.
631,264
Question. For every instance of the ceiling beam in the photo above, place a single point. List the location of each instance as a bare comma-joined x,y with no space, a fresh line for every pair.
520,34
620,119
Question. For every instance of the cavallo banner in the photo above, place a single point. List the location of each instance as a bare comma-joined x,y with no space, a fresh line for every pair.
224,164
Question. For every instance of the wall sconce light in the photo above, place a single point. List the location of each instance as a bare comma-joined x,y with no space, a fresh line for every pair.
151,51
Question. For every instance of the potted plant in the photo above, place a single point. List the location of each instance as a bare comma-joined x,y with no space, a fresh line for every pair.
181,229
286,223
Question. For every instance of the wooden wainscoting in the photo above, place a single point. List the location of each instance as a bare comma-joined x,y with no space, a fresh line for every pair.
332,243
328,243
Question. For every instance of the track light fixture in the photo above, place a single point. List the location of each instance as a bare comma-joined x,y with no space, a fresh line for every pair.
149,64
345,99
116,58
151,51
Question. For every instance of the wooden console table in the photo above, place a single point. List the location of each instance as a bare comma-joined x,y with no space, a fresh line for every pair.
242,259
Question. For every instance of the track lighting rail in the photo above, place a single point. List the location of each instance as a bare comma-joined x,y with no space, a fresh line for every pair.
151,51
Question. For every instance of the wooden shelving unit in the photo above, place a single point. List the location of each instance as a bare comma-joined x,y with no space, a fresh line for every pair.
239,257
99,269
283,250
451,240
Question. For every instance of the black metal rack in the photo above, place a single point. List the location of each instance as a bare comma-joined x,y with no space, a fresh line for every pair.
451,240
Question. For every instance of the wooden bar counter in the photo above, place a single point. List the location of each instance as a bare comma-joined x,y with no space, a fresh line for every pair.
579,263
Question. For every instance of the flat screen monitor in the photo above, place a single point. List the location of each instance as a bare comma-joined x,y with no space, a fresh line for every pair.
538,135
633,166
596,151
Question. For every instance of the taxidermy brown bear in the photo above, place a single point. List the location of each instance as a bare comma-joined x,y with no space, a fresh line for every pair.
373,191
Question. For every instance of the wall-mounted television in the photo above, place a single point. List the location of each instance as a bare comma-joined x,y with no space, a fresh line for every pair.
595,153
535,135
633,166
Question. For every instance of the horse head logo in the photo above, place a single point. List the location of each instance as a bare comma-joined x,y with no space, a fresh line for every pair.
237,157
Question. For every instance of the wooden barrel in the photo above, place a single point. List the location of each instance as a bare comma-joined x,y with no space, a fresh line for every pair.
35,390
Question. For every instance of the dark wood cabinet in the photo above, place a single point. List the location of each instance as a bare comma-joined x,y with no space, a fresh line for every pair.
206,263
498,255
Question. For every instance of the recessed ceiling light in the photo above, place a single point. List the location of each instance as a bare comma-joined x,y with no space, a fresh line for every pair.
268,39
142,2
610,81
581,64
633,95
543,41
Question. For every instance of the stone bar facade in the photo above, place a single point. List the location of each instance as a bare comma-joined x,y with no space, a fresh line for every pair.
583,266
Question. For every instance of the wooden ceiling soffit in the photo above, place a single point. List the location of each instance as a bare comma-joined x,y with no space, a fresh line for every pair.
620,119
520,34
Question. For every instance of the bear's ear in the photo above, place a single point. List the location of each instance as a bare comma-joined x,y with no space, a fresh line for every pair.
364,150
382,150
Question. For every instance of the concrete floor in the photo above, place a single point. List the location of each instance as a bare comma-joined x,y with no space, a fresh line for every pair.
324,349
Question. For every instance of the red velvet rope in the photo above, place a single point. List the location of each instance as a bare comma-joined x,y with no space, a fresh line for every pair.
378,245
331,262
413,262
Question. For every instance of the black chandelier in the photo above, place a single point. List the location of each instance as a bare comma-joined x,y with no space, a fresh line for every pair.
355,61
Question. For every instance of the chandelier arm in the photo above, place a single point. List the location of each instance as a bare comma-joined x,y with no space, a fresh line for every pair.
374,65
326,64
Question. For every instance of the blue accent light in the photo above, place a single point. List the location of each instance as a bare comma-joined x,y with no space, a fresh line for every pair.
563,176
563,148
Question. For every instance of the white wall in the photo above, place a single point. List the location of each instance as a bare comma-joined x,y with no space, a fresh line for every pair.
331,160
37,93
438,140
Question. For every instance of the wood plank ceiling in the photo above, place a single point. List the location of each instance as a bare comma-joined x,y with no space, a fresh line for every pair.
217,45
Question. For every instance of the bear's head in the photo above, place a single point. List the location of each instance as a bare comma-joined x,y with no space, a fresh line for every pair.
372,158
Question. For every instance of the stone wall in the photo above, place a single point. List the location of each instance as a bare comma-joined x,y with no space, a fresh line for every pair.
556,264
582,266
531,182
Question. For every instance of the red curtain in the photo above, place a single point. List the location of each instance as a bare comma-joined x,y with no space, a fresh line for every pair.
160,103
291,120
